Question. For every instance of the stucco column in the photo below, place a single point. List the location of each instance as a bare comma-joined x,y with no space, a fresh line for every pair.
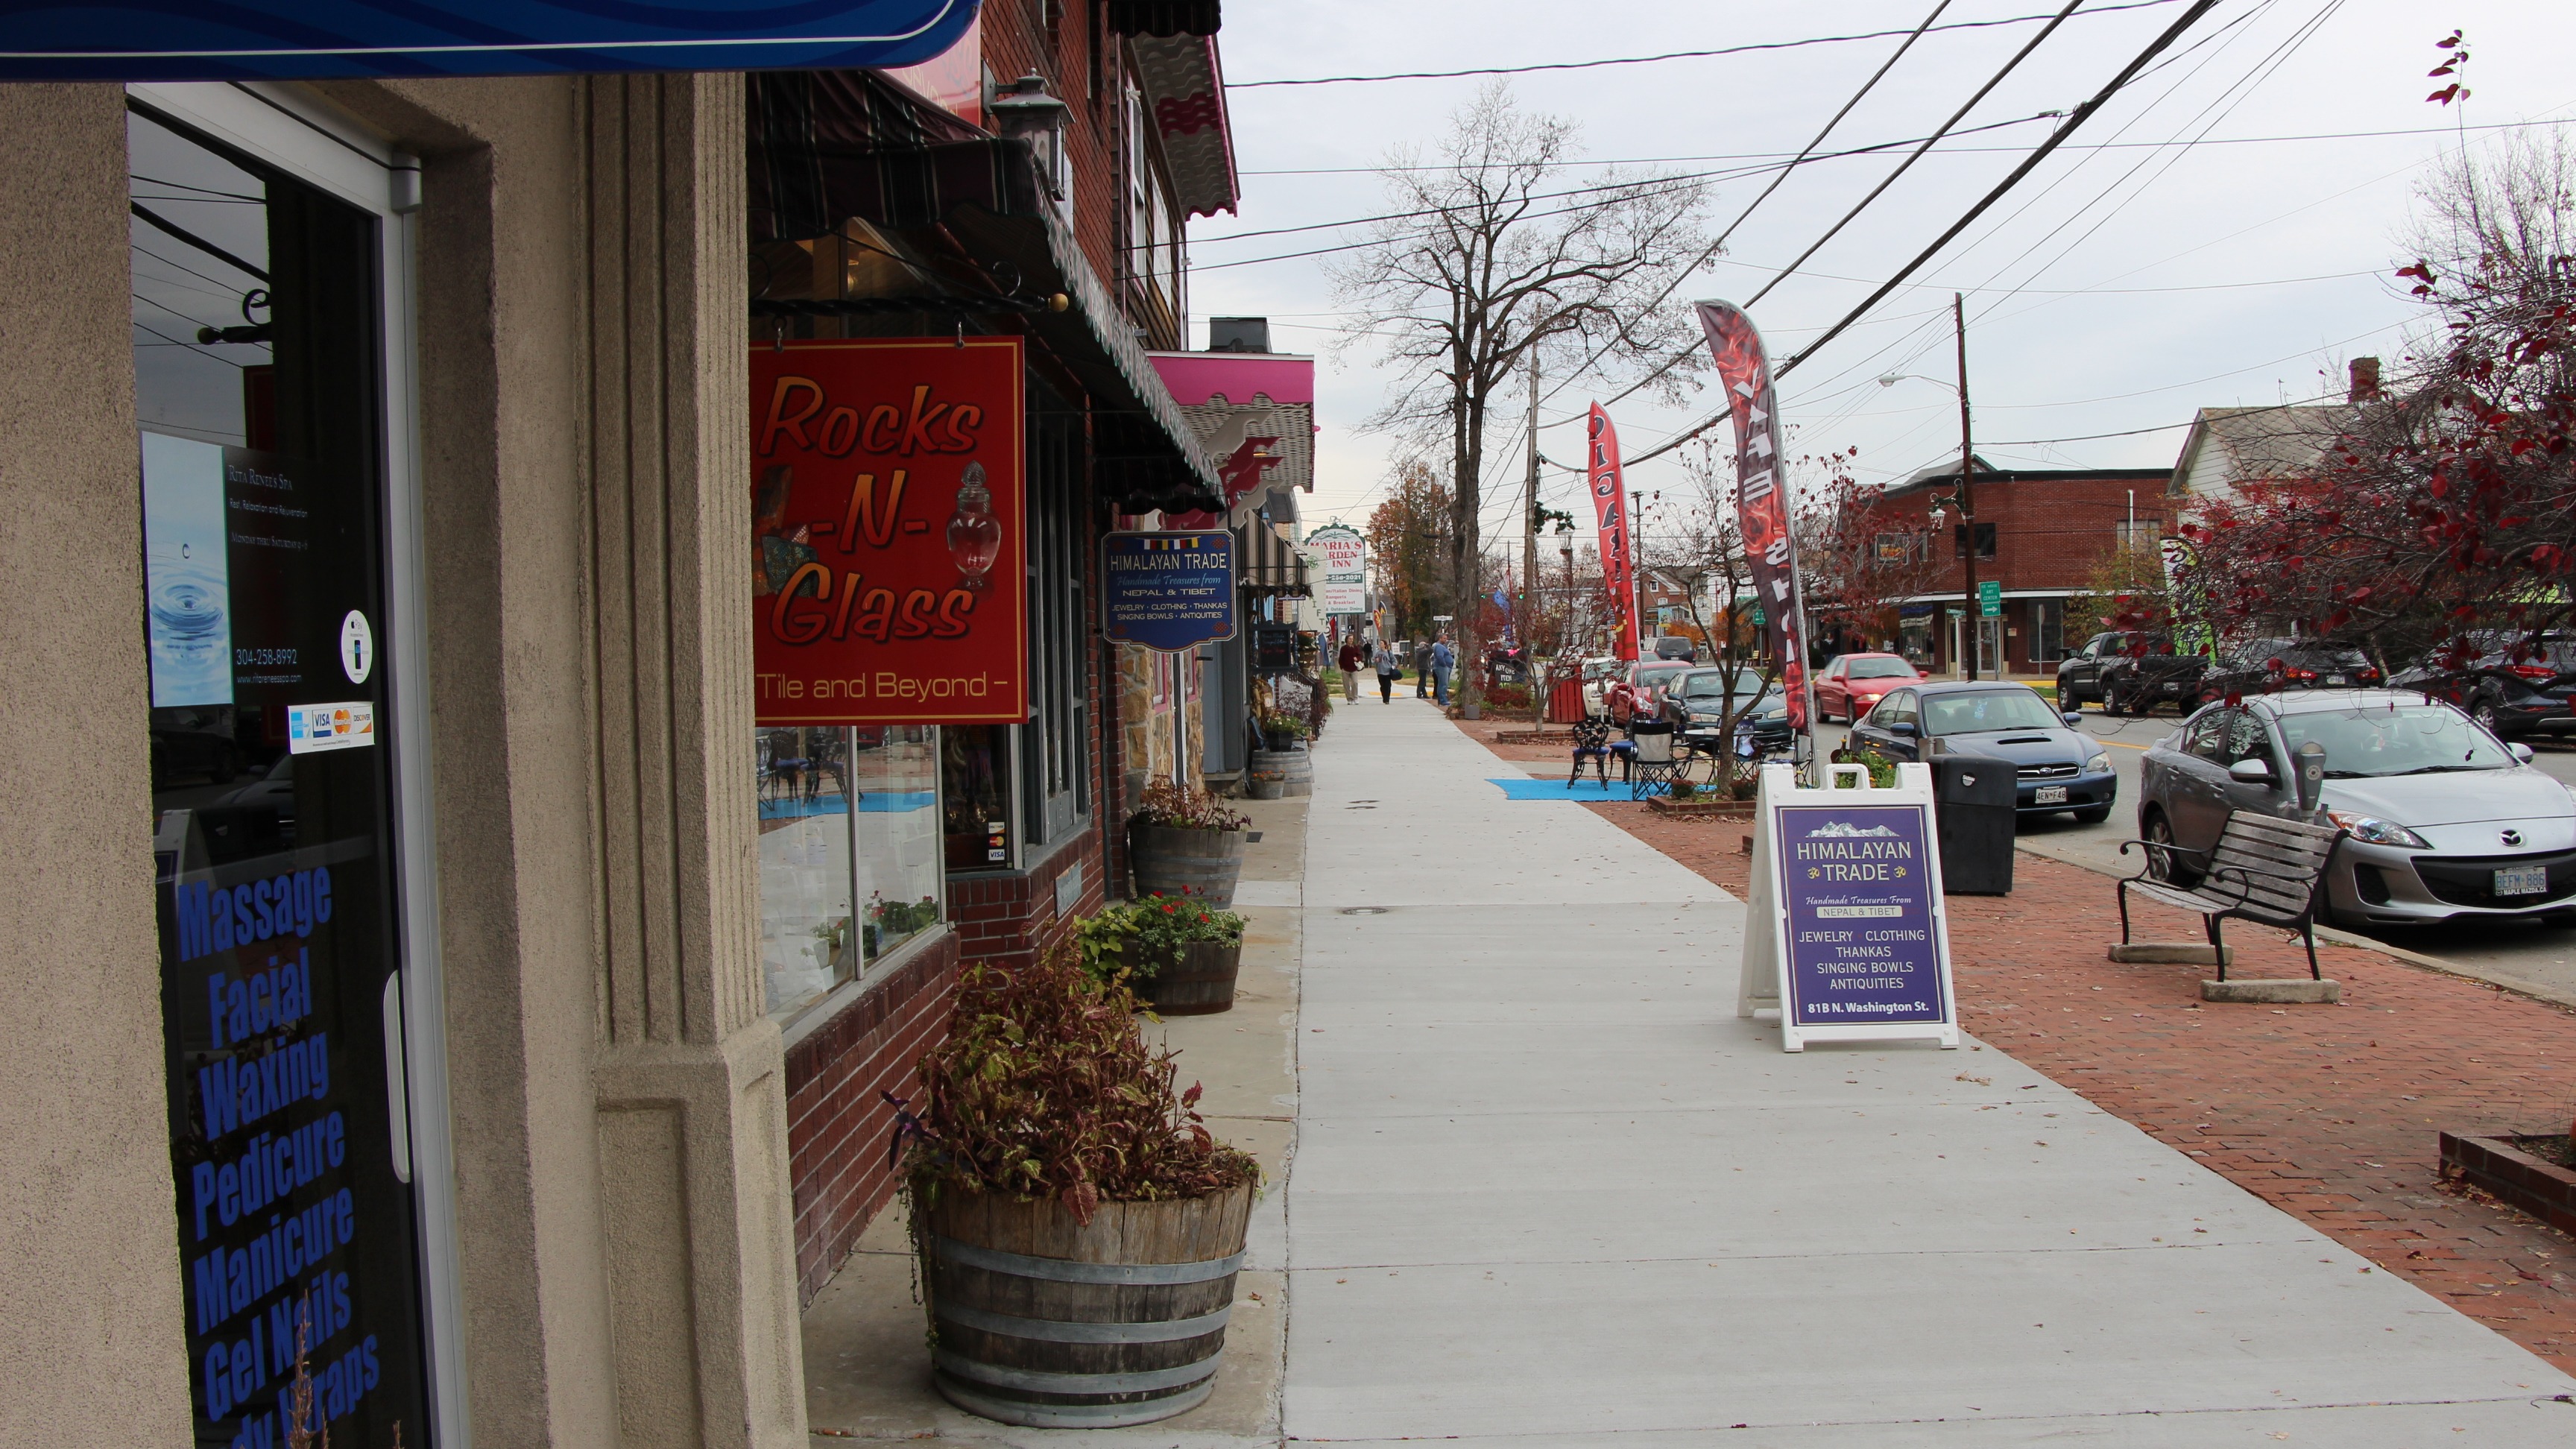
92,1340
689,1071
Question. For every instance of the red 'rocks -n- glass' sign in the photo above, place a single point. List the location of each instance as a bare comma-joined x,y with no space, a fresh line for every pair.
888,511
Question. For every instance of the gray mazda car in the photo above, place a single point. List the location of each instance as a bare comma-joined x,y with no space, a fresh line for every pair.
2442,820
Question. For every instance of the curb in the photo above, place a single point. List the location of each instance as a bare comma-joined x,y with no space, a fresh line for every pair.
2333,936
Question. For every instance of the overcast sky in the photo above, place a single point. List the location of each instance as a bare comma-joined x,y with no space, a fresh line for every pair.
2115,289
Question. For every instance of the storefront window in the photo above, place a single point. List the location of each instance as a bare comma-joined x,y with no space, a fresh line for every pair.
849,856
894,772
975,776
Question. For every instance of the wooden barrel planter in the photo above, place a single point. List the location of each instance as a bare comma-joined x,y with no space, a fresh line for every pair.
1038,1320
1200,864
1201,983
1265,775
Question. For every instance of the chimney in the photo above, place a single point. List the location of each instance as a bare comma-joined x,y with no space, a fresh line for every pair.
1238,334
2365,380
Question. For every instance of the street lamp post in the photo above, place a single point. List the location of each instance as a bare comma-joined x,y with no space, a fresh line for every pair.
1972,620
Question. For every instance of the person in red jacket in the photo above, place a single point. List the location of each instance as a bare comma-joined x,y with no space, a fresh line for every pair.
1352,659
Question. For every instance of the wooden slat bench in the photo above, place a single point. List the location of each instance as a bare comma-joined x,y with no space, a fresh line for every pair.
2263,869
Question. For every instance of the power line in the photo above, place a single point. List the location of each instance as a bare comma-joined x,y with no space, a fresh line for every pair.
2082,114
1332,80
1720,174
1907,164
1889,180
1719,245
1946,150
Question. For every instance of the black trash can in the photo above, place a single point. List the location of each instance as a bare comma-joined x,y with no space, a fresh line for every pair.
1973,798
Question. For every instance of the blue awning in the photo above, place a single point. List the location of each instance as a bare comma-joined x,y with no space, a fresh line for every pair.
193,40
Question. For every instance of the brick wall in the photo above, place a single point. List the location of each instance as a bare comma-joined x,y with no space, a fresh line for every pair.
838,1121
1017,40
2051,528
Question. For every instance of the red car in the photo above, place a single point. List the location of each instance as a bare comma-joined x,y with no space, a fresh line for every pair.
1850,686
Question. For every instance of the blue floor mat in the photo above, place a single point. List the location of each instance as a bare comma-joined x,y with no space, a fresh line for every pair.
1587,789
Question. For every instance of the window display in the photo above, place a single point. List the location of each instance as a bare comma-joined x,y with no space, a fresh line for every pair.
849,852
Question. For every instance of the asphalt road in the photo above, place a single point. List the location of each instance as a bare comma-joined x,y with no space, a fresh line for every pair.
2542,956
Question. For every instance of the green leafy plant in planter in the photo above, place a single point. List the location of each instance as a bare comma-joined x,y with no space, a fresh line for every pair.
1046,1135
1685,790
1045,1089
1135,941
1282,731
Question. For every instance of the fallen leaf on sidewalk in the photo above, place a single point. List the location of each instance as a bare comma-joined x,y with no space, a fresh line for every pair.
1980,1081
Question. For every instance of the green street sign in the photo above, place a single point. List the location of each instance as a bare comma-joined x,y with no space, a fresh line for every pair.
1990,599
1758,620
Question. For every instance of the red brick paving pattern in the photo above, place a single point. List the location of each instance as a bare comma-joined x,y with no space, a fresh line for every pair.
2328,1113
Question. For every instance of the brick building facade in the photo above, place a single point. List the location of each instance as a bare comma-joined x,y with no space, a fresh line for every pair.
2041,533
1143,147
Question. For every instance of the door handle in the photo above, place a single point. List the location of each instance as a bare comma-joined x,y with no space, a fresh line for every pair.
397,1081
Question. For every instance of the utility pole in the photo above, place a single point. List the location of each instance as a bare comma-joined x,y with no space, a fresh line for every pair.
1637,568
1973,626
1529,563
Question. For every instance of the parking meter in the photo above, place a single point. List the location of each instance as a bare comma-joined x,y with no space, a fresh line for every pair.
2308,764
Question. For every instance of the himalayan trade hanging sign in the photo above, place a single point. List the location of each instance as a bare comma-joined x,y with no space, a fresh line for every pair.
189,40
1846,935
1610,509
888,523
1761,496
1168,591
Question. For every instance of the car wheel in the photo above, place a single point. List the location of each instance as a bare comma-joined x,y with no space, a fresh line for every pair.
2094,816
2484,712
2160,865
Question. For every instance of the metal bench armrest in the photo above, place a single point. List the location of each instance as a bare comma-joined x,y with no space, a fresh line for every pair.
2151,849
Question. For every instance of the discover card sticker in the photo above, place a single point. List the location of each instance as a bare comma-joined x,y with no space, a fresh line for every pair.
1863,943
311,728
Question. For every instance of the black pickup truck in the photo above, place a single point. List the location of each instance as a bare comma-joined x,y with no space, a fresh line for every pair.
2129,672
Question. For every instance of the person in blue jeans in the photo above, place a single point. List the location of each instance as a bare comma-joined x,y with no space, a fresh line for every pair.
1443,661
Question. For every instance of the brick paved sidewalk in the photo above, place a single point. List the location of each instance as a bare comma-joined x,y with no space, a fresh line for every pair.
2328,1113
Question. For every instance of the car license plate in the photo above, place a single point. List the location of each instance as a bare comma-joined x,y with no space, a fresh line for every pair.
2334,679
2170,688
2522,880
2056,795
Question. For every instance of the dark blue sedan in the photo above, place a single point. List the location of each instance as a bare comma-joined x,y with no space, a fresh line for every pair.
2060,768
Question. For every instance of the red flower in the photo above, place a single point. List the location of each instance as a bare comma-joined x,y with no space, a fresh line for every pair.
1167,908
1202,917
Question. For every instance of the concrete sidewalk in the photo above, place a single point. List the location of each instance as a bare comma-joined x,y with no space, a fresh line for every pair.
1548,1189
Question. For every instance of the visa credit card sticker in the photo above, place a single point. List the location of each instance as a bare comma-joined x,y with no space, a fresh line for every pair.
312,728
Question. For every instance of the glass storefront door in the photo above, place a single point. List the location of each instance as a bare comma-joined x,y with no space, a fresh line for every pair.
260,390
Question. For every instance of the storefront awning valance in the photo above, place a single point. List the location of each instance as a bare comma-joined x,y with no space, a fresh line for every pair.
188,40
1255,414
1185,94
831,146
1268,565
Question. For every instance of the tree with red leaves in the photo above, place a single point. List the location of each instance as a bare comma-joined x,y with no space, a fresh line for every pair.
2447,505
1861,561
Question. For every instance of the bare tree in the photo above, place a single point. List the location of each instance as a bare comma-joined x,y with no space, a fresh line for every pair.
1488,261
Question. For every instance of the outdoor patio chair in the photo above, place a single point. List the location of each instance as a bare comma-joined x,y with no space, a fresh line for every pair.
1591,742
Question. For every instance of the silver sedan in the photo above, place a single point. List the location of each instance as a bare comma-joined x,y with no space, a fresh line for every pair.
2442,819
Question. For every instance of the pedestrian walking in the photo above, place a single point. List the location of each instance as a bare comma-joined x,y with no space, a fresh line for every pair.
1388,667
1352,659
1443,662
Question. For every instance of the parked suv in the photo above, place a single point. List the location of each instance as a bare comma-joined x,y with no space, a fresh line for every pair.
2268,666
